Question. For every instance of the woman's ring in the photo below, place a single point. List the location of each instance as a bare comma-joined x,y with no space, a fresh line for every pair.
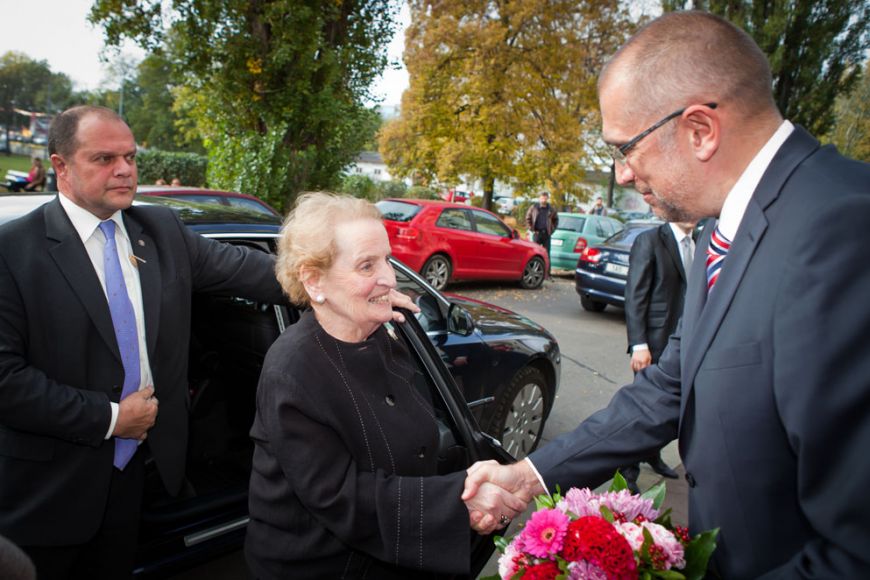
504,520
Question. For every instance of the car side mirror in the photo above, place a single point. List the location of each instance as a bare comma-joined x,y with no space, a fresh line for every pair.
459,320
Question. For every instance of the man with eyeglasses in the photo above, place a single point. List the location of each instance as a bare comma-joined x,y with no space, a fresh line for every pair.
766,380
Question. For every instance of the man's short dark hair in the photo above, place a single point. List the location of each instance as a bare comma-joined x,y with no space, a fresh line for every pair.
62,133
544,193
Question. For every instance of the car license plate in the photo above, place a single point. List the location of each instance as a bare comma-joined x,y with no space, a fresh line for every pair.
616,269
555,242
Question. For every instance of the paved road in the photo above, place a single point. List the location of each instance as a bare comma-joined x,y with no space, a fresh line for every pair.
594,366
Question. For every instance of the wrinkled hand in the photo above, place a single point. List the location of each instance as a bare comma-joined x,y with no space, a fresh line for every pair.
492,508
137,413
640,359
519,479
399,300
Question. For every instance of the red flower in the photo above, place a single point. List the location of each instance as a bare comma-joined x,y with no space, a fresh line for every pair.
595,540
543,571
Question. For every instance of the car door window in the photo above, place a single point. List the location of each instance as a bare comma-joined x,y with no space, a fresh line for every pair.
431,317
455,219
489,224
599,229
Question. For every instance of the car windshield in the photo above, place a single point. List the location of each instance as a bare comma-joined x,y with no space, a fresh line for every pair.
397,211
571,223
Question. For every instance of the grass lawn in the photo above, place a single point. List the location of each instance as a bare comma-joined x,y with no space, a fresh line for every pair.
16,162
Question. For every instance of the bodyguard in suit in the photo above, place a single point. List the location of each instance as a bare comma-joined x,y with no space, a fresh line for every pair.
767,379
654,294
95,300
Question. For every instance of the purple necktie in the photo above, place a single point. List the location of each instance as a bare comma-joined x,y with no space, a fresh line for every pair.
124,321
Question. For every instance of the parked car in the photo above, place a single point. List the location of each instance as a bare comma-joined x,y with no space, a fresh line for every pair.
575,233
449,241
199,195
602,270
464,350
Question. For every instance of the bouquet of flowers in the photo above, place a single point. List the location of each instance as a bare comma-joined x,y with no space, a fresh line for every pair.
606,536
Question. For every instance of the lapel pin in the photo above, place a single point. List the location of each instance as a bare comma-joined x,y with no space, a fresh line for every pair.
142,243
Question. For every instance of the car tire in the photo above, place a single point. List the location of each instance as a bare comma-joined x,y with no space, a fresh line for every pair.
533,274
436,271
519,417
592,305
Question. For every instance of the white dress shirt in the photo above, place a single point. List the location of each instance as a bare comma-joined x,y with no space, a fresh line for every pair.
87,227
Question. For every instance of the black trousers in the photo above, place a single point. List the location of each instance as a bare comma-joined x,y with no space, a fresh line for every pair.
111,553
542,237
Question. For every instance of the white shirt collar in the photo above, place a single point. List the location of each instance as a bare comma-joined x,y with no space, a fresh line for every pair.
679,234
84,222
739,196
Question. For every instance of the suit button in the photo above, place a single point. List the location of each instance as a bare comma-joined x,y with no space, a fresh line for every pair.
390,400
116,388
690,479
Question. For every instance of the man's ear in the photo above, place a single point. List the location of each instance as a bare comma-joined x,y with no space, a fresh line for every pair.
59,165
705,135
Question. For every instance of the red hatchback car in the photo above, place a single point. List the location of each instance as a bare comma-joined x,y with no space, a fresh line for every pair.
451,241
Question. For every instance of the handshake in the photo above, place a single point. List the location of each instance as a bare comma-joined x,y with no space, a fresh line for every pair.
495,494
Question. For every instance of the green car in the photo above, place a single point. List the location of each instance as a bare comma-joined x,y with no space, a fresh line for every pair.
575,232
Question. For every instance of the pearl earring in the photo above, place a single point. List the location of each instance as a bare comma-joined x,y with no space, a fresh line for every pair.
320,299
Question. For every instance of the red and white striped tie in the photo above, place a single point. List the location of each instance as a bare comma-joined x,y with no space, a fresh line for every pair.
716,253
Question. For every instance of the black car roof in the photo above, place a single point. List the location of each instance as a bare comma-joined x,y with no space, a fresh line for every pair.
201,217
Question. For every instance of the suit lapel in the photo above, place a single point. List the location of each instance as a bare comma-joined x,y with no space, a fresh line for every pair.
72,260
703,314
149,279
670,242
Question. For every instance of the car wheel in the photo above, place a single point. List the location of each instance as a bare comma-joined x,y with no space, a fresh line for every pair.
436,271
518,421
533,274
592,305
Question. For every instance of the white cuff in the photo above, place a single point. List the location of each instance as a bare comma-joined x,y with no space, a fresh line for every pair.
538,475
637,347
115,410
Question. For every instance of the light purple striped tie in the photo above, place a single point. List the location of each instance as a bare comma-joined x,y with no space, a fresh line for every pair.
124,321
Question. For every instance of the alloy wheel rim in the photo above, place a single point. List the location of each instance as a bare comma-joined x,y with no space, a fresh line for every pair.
534,273
523,423
436,273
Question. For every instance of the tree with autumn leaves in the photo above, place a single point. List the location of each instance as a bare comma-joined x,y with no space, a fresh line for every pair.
503,90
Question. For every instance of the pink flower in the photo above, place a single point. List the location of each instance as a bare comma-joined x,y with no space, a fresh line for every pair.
507,565
583,570
544,532
672,549
584,502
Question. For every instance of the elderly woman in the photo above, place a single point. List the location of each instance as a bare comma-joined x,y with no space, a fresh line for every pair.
344,480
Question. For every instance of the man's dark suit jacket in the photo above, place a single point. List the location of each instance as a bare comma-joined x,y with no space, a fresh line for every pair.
766,382
654,290
60,365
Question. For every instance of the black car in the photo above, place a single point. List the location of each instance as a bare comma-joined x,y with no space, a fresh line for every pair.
602,270
505,365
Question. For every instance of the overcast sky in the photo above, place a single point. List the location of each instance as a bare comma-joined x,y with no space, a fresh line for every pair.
58,32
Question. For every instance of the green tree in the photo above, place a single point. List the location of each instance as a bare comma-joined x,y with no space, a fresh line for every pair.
276,88
31,85
502,90
815,49
151,111
851,131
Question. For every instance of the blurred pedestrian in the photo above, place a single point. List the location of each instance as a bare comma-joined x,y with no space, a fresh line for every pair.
541,220
598,208
176,182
